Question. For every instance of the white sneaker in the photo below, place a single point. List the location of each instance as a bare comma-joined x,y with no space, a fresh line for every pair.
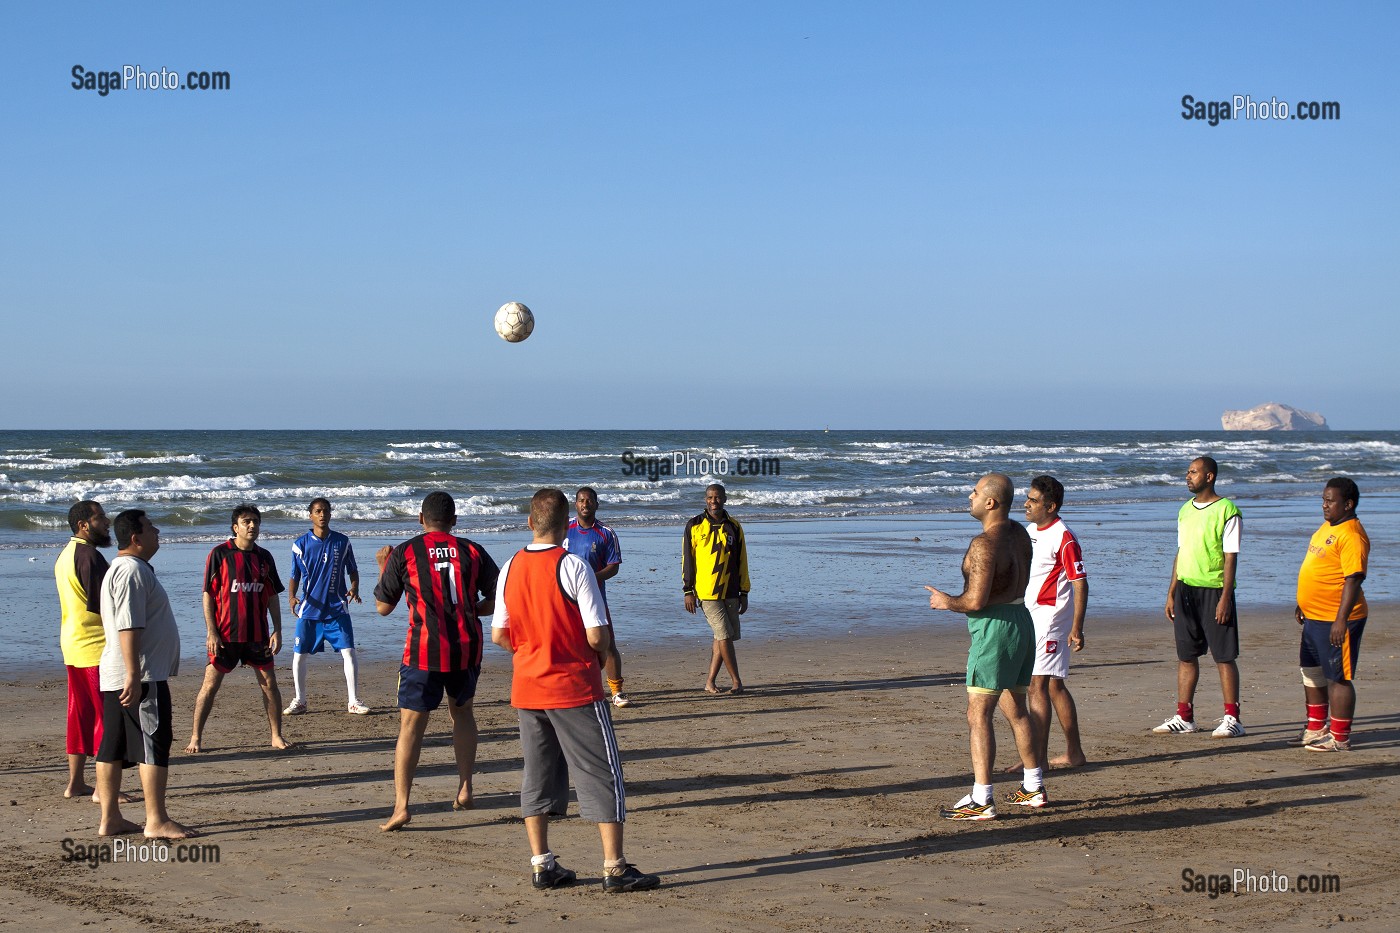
1229,728
295,708
621,700
1177,724
358,709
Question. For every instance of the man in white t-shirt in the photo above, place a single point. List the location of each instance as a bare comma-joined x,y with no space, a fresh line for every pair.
1057,596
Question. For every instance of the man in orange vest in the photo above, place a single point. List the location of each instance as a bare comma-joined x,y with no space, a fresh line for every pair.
549,615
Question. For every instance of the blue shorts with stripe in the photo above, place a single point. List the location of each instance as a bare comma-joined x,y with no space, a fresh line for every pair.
1338,662
312,634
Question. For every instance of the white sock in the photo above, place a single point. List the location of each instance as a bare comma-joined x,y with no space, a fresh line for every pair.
1032,779
299,675
545,861
981,794
352,674
616,864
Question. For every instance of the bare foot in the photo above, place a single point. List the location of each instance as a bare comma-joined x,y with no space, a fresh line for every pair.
280,743
464,800
169,830
1016,768
711,688
122,827
122,797
79,790
397,820
1065,761
736,689
194,748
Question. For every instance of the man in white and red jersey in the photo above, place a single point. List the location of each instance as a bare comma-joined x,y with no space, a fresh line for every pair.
1057,595
550,617
442,575
240,595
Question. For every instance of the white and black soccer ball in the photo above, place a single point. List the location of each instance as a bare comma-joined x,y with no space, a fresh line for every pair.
514,322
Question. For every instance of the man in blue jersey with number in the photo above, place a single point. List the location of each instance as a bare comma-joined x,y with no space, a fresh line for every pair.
597,545
324,560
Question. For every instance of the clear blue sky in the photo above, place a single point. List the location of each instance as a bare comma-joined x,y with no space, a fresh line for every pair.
724,215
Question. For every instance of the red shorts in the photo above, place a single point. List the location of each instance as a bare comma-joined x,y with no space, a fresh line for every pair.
84,710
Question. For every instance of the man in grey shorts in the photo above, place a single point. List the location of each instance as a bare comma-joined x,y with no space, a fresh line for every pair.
549,615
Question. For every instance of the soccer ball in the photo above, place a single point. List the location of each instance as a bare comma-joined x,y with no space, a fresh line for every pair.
514,322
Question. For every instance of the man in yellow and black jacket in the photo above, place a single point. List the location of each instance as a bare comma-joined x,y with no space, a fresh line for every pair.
715,573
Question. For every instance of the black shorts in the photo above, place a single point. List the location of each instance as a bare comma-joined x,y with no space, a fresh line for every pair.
139,735
421,691
254,654
1196,628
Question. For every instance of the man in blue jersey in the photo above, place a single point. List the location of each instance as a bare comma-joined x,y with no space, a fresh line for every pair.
324,559
597,545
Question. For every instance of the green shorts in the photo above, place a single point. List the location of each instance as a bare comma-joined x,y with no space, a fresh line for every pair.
1003,649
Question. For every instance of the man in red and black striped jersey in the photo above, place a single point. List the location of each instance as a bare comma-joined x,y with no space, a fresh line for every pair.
240,594
450,583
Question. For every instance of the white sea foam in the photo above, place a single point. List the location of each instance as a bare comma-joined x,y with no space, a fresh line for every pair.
158,488
464,456
554,455
118,460
428,445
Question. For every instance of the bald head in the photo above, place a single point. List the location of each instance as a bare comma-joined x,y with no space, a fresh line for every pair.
993,493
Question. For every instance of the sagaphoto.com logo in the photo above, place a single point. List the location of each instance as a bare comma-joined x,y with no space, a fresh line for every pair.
134,77
1245,107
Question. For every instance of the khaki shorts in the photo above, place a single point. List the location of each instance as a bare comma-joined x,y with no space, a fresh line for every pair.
723,616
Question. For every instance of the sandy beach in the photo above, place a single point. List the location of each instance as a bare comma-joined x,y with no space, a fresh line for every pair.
807,804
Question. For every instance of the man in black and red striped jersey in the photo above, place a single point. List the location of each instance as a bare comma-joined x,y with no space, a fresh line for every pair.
240,595
442,576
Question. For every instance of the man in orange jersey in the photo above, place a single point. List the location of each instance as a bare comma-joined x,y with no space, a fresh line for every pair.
1332,611
549,615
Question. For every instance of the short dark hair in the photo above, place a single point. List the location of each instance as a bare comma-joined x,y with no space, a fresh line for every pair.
127,525
321,500
720,487
245,508
1347,487
1050,489
81,512
1209,463
439,508
549,512
586,489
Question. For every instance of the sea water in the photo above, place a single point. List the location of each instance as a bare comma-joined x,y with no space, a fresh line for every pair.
844,527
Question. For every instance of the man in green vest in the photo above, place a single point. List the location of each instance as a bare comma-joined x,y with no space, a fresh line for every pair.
1201,599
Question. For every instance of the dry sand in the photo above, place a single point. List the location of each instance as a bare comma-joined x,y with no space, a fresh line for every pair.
808,804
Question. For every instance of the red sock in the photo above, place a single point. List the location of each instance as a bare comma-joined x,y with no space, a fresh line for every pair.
1341,729
1185,711
1317,716
1232,709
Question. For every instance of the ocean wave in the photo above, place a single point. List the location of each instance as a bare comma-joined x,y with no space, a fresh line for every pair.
68,463
162,488
556,455
428,445
461,456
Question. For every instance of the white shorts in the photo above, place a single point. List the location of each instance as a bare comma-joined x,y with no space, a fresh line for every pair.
1051,649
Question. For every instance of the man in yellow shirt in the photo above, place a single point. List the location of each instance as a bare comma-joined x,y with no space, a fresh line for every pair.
78,573
1332,611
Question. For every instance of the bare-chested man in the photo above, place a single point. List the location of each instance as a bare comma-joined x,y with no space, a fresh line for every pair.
995,571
